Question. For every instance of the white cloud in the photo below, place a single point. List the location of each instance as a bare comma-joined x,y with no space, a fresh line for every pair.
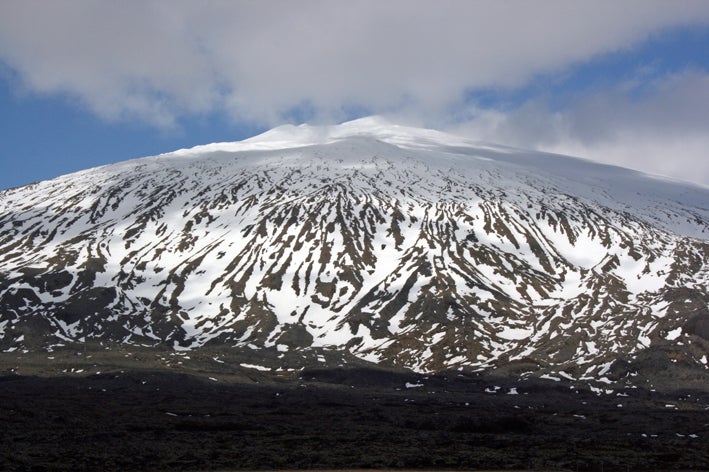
158,60
661,129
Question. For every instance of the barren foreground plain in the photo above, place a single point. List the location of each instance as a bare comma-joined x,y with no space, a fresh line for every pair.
132,410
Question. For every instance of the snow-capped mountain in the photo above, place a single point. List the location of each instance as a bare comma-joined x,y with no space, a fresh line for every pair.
400,246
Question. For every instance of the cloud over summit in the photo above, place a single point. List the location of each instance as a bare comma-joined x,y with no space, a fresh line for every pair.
158,62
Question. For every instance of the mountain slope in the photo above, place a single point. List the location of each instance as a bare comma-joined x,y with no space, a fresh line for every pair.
397,245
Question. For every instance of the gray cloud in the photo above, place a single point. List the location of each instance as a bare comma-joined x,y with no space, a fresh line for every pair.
157,60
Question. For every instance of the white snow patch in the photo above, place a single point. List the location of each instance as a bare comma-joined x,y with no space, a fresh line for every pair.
674,334
515,334
255,367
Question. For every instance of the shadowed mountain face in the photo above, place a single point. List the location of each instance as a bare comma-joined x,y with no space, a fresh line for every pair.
398,246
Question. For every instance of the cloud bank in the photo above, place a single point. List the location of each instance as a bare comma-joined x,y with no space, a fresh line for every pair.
156,60
265,62
662,129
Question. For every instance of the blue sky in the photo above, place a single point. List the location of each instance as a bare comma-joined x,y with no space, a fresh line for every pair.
47,135
85,83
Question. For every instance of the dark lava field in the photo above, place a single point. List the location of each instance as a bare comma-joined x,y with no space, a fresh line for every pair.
76,413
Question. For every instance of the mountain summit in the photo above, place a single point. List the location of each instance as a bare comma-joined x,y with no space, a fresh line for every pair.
364,242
